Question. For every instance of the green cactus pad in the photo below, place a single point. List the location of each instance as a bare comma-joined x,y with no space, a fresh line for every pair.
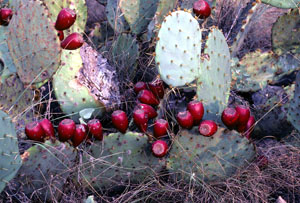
10,160
213,85
33,43
293,111
178,49
122,158
115,16
208,159
286,33
138,13
79,6
163,8
282,4
70,93
45,169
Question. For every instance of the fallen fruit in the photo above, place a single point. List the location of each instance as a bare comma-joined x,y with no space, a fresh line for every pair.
185,119
139,86
95,129
47,127
207,128
34,131
80,134
149,110
244,114
72,42
120,120
157,88
147,97
5,16
65,19
66,129
159,148
230,117
202,9
197,110
160,128
249,127
140,119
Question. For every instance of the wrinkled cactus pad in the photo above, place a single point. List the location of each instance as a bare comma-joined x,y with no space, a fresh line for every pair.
208,159
282,4
115,16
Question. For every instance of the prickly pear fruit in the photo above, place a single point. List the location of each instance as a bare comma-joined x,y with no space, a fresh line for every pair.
80,134
147,97
66,129
160,127
140,119
208,128
95,128
230,117
72,42
157,88
34,131
5,16
249,127
202,9
139,86
197,110
60,35
120,120
65,19
149,110
47,127
244,114
159,148
185,119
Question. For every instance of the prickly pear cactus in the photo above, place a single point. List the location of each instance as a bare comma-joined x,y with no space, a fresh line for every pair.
45,169
286,34
115,16
282,4
10,160
293,111
33,43
163,8
122,158
138,13
197,158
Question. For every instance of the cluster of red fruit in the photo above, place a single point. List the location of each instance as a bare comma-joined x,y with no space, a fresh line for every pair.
5,16
65,19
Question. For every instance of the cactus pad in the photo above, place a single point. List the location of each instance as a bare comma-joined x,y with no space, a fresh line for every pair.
45,169
208,159
122,158
6,62
33,43
293,111
178,49
282,4
163,8
286,33
10,160
115,16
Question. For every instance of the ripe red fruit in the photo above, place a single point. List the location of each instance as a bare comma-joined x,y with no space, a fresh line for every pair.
139,86
72,42
34,131
207,128
159,148
47,127
160,127
80,134
5,16
66,129
65,19
202,9
140,119
120,120
249,127
157,88
149,110
185,119
147,97
244,114
95,128
61,35
230,117
197,110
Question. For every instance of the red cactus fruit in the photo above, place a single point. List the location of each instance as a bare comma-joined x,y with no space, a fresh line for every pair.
65,19
197,110
72,42
185,119
160,128
159,148
47,127
120,120
262,161
140,119
208,128
66,129
61,35
230,117
147,97
80,134
244,114
139,86
157,88
149,110
249,127
202,9
34,131
95,129
5,16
